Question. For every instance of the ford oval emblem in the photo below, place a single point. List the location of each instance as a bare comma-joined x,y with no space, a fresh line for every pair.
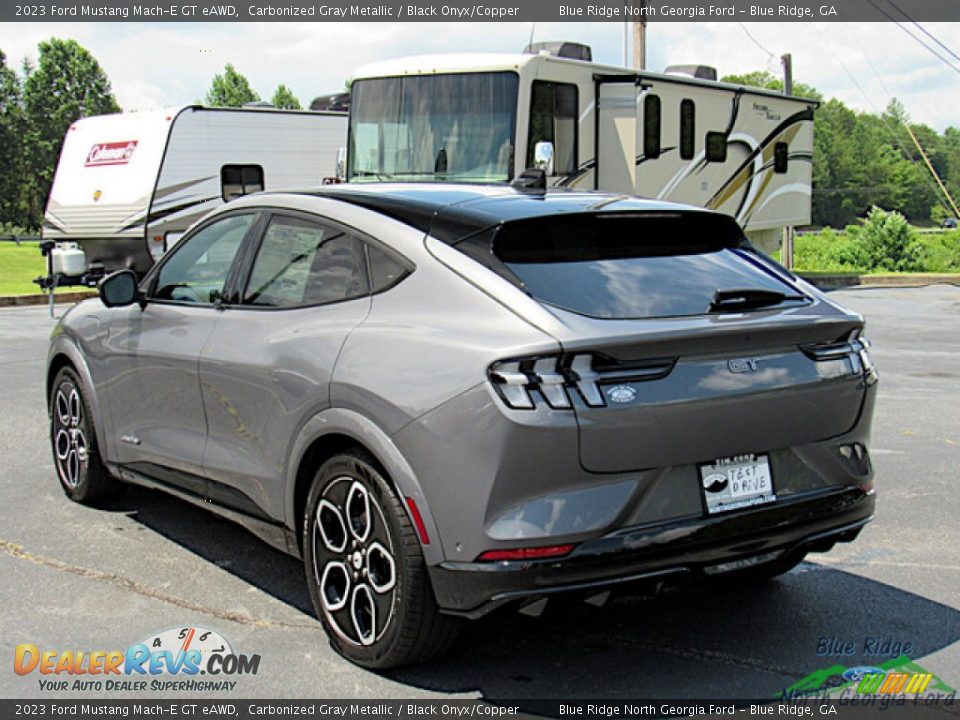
622,394
855,674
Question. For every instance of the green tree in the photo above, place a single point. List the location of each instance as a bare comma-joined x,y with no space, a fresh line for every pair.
886,241
11,149
231,89
284,98
67,84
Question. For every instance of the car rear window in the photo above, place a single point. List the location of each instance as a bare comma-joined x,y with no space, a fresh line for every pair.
634,266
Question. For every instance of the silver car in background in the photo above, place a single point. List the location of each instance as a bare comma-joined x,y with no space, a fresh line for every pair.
446,399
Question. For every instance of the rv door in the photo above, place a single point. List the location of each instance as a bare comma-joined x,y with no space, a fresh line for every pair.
616,136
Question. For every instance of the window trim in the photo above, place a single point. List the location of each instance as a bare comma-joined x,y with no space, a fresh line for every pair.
149,283
576,128
244,273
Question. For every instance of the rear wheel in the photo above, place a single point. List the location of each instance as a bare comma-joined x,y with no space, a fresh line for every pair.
76,453
365,570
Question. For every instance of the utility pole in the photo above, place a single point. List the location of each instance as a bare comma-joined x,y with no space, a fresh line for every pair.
786,60
640,42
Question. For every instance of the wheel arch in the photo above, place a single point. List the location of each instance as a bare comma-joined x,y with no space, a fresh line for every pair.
337,429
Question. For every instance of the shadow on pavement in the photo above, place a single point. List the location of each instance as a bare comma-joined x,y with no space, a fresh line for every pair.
698,642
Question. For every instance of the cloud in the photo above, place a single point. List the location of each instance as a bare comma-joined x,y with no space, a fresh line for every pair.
155,64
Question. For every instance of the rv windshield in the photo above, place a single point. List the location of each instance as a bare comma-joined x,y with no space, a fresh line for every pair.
457,127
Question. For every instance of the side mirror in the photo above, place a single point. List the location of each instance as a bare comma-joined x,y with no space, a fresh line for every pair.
341,170
119,288
543,156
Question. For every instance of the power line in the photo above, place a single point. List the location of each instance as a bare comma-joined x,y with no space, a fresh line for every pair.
755,41
914,37
896,140
923,29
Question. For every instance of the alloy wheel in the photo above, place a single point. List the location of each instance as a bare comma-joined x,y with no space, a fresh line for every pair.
71,449
353,562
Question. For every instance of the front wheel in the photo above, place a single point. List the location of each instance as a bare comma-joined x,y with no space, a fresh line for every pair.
365,570
76,453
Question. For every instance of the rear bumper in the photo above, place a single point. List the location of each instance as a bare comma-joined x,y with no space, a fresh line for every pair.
675,552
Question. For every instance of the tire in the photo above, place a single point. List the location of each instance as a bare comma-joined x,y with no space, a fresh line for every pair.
368,580
76,452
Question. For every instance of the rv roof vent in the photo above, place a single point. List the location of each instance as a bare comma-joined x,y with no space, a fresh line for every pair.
703,72
572,50
258,104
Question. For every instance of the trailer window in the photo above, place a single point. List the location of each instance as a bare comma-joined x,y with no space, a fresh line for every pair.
239,180
781,156
553,118
716,147
651,126
306,263
688,129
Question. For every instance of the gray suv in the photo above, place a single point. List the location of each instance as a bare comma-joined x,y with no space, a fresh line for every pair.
447,399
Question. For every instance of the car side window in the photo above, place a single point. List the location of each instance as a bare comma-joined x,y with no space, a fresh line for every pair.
301,262
385,269
197,270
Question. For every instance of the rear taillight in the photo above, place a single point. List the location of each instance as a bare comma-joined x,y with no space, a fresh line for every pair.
557,380
854,349
529,553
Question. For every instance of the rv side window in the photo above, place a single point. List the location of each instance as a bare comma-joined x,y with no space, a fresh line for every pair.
716,147
306,263
651,126
688,129
239,180
553,118
781,154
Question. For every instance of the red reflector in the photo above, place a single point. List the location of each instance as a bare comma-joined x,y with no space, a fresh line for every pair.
533,553
418,521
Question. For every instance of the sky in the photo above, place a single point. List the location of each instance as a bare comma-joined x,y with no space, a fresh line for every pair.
161,64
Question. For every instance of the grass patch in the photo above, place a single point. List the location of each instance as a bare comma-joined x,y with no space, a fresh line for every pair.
19,265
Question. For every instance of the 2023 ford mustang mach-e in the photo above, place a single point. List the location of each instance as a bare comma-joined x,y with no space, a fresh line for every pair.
446,399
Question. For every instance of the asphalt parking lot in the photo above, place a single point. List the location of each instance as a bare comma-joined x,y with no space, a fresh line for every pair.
85,579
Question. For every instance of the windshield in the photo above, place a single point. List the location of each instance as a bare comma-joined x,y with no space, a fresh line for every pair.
434,127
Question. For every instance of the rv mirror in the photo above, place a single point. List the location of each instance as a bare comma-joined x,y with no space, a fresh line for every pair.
119,288
543,156
341,170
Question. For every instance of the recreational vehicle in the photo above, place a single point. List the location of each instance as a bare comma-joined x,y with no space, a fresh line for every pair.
678,136
128,185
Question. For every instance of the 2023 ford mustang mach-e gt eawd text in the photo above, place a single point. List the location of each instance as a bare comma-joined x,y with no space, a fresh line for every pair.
447,399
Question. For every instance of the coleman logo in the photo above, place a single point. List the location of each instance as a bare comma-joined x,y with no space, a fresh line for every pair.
116,153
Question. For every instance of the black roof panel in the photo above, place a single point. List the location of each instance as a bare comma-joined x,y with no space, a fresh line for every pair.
451,212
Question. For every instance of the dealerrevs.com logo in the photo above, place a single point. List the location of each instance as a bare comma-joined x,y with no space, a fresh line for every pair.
114,153
170,660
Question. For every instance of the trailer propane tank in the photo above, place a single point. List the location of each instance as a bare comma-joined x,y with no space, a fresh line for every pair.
68,259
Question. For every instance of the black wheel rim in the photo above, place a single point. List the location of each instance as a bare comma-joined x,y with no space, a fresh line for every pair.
353,562
70,445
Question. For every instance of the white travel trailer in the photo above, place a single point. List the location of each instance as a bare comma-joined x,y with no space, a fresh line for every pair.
740,150
128,185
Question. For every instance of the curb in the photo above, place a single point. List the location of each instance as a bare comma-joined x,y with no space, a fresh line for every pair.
833,282
67,297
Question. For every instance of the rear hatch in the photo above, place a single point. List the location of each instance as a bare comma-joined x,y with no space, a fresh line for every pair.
681,344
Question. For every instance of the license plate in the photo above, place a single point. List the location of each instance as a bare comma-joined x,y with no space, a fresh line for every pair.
736,482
